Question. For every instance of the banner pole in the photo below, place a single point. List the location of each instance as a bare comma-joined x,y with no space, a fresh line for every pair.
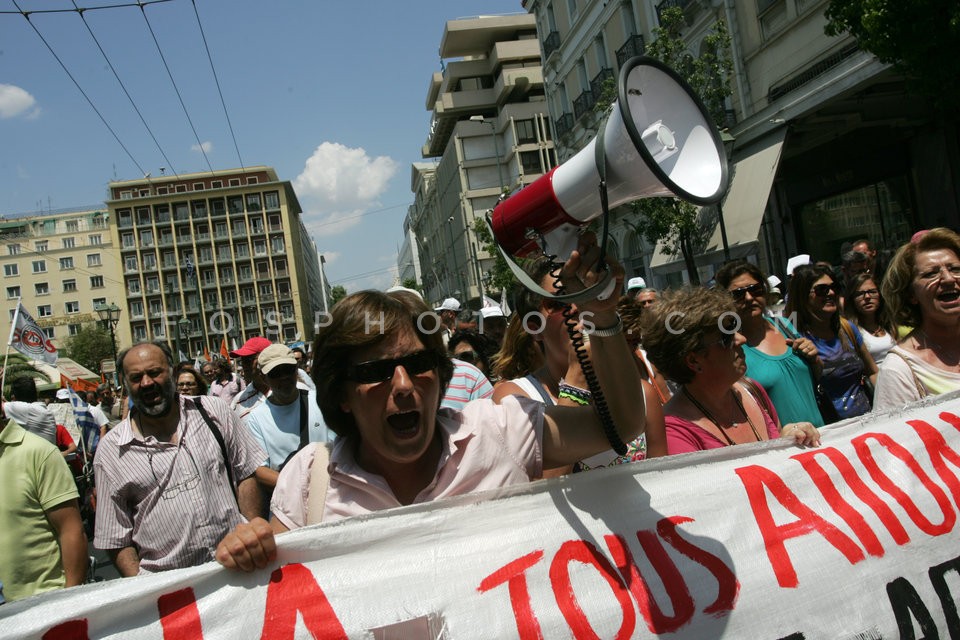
6,353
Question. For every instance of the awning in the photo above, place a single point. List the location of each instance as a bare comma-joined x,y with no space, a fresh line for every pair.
745,203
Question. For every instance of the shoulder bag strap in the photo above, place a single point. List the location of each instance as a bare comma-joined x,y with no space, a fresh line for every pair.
319,483
913,374
754,390
547,400
198,403
304,429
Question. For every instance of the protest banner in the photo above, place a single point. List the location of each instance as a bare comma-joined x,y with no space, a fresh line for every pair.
28,338
853,539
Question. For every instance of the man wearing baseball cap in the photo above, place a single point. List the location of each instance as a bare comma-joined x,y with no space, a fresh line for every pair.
256,389
448,311
288,420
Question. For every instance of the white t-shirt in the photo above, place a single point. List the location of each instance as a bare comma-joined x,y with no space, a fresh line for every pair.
35,417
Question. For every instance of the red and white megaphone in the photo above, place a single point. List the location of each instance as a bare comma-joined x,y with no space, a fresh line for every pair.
658,141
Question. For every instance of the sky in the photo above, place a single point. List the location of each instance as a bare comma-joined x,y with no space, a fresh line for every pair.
330,94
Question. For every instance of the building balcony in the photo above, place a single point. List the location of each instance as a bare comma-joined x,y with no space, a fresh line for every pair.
634,46
604,83
564,124
583,104
551,43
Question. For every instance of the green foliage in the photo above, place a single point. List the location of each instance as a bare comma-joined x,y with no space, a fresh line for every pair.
89,346
608,95
921,39
19,367
676,223
411,283
337,293
501,278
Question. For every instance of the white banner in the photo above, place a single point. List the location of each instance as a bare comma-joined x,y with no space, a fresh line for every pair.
855,539
29,339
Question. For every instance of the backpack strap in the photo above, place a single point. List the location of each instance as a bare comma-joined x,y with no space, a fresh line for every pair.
304,429
532,379
198,403
319,483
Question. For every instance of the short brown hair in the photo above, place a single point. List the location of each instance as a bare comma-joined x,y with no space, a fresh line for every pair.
362,320
897,286
677,324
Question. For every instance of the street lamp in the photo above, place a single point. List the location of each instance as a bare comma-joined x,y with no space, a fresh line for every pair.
496,146
110,313
183,329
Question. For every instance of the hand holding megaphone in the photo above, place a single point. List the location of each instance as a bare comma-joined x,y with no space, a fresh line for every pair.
587,271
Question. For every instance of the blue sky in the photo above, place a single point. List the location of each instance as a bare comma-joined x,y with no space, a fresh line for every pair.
330,94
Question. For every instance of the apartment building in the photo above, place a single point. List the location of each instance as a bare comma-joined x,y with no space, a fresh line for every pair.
828,145
215,255
61,265
489,133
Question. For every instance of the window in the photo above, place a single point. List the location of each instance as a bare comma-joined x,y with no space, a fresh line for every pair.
41,246
530,160
139,333
93,260
13,249
271,199
73,226
216,184
234,182
96,282
127,241
11,270
526,131
252,180
96,240
72,307
49,332
136,309
133,286
41,288
130,263
162,191
73,329
13,292
44,311
253,202
198,186
69,286
39,266
149,262
68,243
66,263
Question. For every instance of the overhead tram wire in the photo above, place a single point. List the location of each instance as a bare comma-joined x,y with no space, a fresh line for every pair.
96,8
217,80
122,86
26,15
142,6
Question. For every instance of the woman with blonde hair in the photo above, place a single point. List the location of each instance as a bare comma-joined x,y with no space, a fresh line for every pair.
922,288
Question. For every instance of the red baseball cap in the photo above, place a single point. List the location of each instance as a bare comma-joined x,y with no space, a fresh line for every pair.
251,347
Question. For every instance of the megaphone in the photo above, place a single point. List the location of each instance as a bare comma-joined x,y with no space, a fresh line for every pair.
658,141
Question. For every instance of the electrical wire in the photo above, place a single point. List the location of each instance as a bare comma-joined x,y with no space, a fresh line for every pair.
95,8
26,15
174,83
217,80
122,86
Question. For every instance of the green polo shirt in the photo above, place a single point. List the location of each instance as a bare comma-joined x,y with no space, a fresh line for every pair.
34,478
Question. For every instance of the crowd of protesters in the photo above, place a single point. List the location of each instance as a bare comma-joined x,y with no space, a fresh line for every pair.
198,463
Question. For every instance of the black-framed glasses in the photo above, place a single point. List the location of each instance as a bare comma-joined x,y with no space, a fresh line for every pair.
191,384
863,293
467,356
936,274
755,290
282,371
375,371
823,290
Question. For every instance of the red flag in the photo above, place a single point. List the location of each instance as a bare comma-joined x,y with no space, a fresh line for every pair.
224,351
206,353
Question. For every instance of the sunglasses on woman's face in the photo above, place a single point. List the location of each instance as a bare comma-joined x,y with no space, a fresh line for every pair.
726,341
467,356
375,371
755,290
823,290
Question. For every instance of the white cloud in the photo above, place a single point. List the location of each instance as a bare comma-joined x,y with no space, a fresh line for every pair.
338,184
205,147
15,101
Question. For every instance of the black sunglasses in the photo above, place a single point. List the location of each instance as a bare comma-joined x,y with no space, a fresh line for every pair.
726,341
822,290
467,356
755,290
282,371
374,371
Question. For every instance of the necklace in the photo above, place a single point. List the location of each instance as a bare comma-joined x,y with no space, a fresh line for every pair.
716,423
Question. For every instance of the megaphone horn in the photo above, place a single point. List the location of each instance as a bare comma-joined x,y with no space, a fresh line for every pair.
658,141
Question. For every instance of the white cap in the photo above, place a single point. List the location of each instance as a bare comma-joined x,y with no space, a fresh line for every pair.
63,394
491,312
797,261
773,282
636,283
407,289
450,304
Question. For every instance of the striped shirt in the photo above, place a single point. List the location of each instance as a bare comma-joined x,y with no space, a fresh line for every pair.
468,383
171,501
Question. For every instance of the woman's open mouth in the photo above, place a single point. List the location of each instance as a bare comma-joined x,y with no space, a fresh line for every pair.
406,424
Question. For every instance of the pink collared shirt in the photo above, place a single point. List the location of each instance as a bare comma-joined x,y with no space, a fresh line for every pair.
485,446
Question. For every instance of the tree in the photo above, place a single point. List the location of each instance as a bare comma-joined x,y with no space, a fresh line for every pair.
920,39
89,346
501,278
337,293
411,283
680,226
18,366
